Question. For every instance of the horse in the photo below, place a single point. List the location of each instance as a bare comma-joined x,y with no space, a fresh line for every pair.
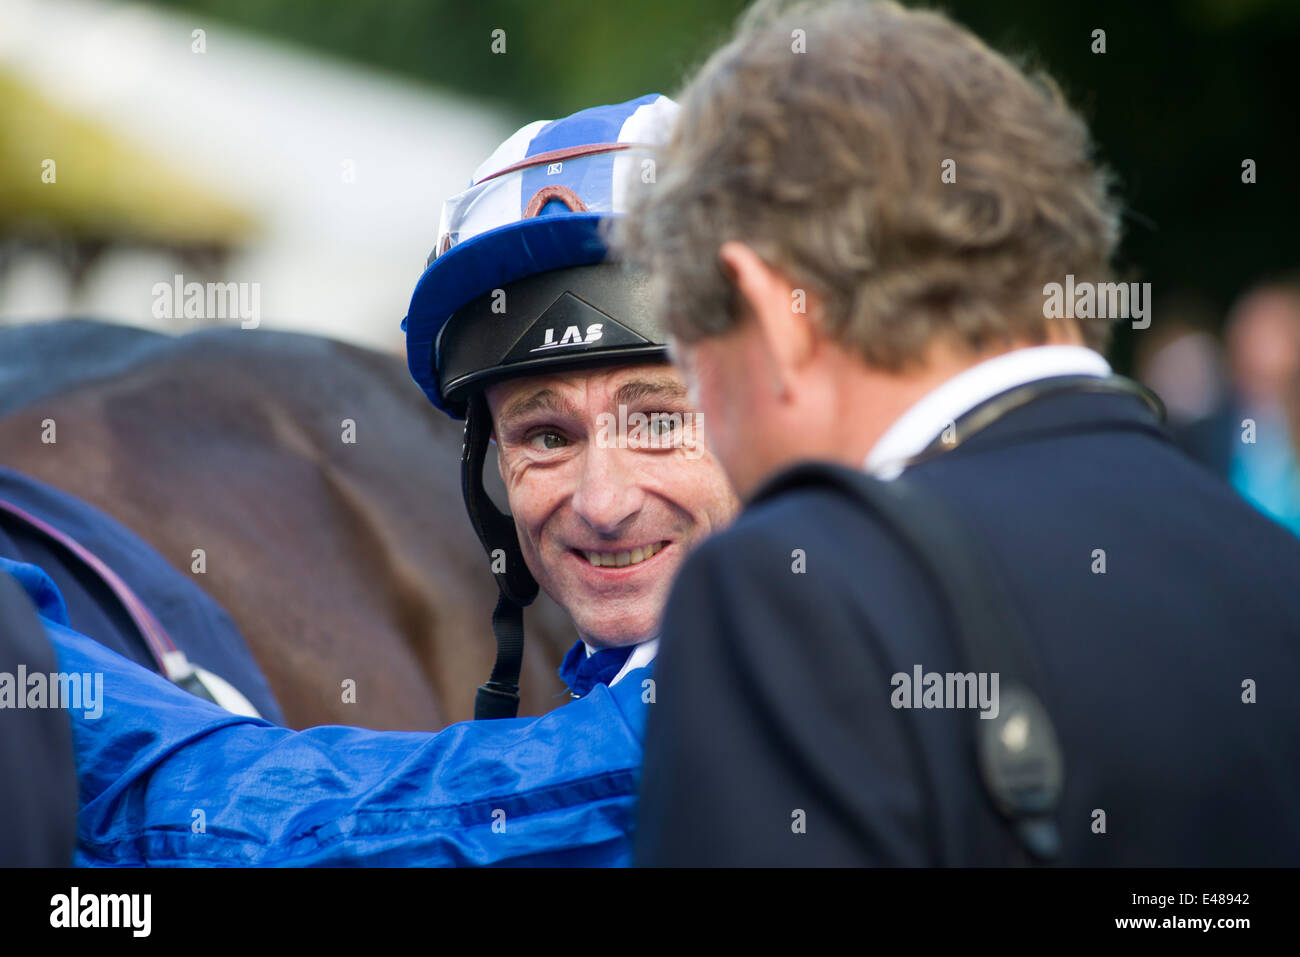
305,484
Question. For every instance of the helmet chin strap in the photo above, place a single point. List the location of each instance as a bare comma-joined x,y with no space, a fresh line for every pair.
499,698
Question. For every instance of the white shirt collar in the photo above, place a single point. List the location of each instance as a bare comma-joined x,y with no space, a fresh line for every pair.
641,656
921,424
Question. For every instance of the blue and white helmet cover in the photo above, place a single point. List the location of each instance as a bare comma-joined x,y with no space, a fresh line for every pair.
515,219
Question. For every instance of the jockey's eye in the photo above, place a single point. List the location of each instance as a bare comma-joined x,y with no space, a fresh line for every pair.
664,424
547,440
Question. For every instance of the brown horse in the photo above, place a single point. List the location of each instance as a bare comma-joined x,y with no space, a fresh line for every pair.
321,487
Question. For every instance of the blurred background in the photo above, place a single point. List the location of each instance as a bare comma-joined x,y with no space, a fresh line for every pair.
306,146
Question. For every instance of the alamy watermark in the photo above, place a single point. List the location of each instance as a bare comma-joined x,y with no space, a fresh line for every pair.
950,689
656,430
75,909
76,691
1091,300
214,300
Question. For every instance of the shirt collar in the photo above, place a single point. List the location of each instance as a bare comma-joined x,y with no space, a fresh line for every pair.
640,657
936,410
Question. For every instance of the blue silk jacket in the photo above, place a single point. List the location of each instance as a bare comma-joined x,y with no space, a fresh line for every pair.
168,779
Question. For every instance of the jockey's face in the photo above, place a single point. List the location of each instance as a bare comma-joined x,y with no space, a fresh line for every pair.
607,495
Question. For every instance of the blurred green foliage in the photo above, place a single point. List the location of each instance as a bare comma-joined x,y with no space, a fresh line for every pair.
561,55
1185,91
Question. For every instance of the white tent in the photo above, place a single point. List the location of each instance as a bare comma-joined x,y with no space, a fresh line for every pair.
346,168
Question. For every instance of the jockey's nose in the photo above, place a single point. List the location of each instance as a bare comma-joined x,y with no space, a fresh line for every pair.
608,495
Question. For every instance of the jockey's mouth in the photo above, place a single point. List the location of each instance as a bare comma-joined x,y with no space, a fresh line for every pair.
621,558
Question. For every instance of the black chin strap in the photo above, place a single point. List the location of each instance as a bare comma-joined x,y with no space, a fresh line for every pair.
499,698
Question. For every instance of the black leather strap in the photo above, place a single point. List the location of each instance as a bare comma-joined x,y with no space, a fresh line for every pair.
990,410
1020,759
499,698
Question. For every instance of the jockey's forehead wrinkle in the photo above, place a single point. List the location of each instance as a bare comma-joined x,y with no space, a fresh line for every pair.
545,399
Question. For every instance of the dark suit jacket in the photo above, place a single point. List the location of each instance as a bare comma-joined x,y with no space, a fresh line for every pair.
773,739
1213,439
38,773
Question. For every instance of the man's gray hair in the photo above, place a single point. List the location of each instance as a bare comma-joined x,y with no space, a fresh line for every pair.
886,161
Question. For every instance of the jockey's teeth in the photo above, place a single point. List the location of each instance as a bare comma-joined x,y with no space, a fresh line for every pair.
620,559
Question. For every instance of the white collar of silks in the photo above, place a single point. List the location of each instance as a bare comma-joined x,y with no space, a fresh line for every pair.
641,656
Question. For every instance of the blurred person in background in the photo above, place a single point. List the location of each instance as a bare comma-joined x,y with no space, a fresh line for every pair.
1181,359
1253,437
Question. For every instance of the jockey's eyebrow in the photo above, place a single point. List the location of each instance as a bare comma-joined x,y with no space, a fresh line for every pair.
543,399
661,388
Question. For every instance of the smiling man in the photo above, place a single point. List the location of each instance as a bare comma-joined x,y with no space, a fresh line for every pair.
521,327
605,515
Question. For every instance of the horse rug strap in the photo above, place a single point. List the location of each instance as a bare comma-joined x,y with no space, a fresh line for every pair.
171,661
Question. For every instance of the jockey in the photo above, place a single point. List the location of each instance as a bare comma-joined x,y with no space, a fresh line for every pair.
520,326
519,287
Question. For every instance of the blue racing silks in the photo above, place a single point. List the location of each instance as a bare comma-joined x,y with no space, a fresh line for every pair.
168,779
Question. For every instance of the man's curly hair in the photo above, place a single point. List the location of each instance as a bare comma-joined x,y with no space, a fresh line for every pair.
819,136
